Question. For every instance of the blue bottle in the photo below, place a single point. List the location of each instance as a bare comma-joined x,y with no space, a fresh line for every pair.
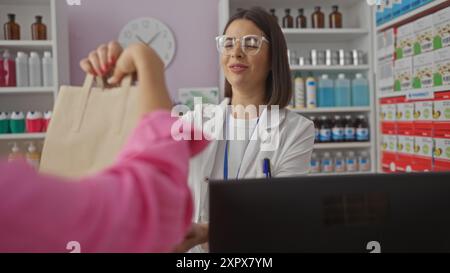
343,92
360,91
326,92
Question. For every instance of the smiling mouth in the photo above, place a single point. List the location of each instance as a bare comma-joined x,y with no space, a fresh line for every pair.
237,68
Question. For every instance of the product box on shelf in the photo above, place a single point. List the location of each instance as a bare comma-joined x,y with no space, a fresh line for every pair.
397,8
403,74
406,6
379,14
388,110
423,29
423,149
386,76
441,147
405,41
389,36
441,109
441,23
441,72
405,112
423,111
388,147
388,12
405,147
423,70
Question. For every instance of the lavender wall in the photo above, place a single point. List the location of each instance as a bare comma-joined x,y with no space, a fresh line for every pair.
194,23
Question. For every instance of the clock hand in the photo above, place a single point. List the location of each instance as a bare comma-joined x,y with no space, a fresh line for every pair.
153,38
140,39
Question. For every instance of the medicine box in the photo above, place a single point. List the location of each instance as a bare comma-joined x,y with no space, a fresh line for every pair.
441,23
423,30
441,73
403,74
423,70
405,41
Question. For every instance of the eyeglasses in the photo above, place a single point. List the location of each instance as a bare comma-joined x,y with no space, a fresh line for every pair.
250,44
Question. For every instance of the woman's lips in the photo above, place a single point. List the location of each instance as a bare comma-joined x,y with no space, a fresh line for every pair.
238,68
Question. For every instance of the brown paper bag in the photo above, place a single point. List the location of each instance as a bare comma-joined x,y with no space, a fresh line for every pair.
88,128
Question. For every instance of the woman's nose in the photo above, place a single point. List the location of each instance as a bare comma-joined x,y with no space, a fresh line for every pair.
237,51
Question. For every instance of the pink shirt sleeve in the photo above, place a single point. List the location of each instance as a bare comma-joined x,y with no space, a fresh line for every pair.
141,204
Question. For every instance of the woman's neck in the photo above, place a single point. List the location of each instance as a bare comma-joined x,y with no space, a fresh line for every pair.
245,98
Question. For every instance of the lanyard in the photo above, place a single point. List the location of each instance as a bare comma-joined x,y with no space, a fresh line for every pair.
225,157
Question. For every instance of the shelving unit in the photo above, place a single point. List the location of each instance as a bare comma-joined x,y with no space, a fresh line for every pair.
22,136
34,98
347,68
332,110
414,94
355,34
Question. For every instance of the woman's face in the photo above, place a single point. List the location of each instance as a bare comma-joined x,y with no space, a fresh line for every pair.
245,71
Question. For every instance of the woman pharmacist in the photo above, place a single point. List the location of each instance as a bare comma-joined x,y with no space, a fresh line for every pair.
254,59
140,204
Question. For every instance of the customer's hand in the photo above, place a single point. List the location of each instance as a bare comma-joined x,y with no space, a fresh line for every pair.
198,234
101,61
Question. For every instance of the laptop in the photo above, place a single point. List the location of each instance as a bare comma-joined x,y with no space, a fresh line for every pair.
350,213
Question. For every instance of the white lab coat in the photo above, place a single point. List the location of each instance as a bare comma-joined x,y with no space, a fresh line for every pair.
291,158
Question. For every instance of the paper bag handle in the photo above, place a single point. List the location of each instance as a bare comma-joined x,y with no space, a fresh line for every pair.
86,91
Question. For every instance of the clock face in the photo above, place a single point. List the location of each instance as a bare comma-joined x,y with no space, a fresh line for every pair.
153,33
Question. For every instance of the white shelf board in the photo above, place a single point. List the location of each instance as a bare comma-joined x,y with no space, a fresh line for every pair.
332,110
21,90
342,145
410,14
339,174
406,93
22,44
329,68
324,35
22,136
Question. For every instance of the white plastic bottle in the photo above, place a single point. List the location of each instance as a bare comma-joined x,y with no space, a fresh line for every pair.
351,162
315,163
22,73
339,163
299,87
33,156
311,91
364,161
327,163
47,69
34,63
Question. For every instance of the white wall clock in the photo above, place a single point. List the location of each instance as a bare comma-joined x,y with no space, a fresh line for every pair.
152,32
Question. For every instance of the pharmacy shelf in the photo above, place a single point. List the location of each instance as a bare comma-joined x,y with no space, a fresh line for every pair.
339,174
25,45
22,136
332,110
330,68
415,93
324,35
342,145
412,15
26,90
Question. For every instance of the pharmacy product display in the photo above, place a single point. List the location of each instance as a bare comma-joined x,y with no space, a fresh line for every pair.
20,122
25,70
340,162
328,57
12,29
317,17
328,92
341,129
28,153
415,110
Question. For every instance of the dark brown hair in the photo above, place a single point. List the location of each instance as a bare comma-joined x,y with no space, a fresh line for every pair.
278,83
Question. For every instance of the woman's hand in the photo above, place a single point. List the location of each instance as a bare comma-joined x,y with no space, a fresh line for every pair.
198,234
101,61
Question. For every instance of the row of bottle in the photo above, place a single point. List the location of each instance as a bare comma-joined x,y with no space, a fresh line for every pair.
341,129
18,123
330,93
24,71
317,18
32,155
12,29
325,163
328,57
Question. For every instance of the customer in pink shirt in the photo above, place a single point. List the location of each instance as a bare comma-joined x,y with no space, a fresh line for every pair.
140,204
